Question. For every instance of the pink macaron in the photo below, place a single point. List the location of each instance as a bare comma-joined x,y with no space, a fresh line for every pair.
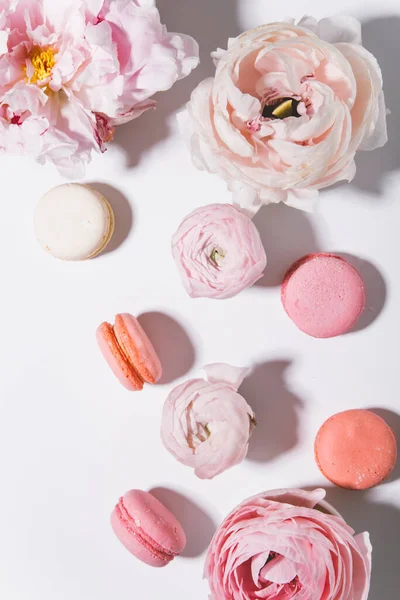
323,295
129,352
356,449
147,529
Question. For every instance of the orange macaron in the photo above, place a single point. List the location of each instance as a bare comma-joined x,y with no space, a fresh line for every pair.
356,449
129,352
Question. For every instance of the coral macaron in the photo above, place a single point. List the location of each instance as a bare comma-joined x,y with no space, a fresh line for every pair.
356,449
147,528
129,352
323,295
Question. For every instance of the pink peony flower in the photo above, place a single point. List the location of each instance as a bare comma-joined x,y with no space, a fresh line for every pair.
218,251
206,424
278,546
287,110
70,74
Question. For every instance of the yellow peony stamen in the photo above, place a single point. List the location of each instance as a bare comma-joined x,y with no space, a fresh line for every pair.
43,62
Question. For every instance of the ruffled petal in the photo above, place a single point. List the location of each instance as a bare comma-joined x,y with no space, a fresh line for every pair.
223,373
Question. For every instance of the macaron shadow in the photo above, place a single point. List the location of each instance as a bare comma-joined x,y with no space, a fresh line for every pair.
197,524
393,420
382,521
287,234
276,409
122,212
172,344
375,287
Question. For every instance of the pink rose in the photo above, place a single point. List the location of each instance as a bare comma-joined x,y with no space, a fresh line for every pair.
206,424
218,251
69,74
277,546
287,110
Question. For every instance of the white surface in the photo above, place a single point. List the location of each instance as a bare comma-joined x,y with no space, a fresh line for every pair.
72,439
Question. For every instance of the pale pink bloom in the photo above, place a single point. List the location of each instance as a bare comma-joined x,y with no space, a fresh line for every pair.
277,546
218,251
70,73
335,107
206,424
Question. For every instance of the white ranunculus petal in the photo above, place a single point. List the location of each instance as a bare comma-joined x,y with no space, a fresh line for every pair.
319,64
340,29
206,425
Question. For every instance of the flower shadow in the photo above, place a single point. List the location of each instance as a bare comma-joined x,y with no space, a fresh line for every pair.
172,344
393,420
287,234
276,409
197,524
211,23
375,287
382,521
122,212
381,37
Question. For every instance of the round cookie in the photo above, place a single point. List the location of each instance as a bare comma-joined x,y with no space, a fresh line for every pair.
323,295
147,528
129,352
73,222
356,449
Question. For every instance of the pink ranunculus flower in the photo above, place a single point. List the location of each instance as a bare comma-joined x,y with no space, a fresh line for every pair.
218,251
287,110
280,546
71,71
206,424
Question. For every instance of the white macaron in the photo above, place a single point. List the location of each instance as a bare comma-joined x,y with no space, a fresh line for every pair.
73,222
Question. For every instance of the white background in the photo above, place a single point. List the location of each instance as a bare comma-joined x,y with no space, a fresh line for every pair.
72,440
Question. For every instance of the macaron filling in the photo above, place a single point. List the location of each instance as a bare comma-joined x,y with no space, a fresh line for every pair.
125,354
126,334
133,527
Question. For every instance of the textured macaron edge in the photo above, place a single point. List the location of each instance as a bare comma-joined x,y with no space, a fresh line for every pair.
108,229
106,332
130,350
109,232
353,487
305,259
128,522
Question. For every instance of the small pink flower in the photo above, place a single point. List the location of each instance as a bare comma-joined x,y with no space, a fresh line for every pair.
69,74
218,251
206,424
287,110
277,546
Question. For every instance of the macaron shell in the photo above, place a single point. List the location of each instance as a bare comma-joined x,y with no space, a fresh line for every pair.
115,358
147,528
356,449
133,543
73,222
323,295
108,235
137,347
